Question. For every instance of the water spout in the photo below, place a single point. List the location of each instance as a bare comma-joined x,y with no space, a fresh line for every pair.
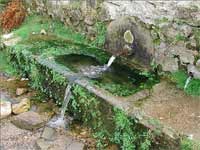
60,121
97,71
66,100
111,60
187,82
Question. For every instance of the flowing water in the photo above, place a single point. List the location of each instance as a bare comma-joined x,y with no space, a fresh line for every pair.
60,121
111,76
111,60
187,82
93,72
97,71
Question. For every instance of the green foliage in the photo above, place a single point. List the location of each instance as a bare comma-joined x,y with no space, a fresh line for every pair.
59,39
127,135
180,37
34,24
187,144
85,105
86,108
108,125
4,1
5,65
180,78
100,37
152,79
123,133
114,126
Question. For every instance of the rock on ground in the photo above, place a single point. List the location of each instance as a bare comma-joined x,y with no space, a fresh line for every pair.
28,120
5,109
194,71
48,133
13,138
21,107
60,142
21,91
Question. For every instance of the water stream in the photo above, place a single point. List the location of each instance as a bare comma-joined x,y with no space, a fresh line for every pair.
60,121
111,60
187,82
66,100
93,71
97,71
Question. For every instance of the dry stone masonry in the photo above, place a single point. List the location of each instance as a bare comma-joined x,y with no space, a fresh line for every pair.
165,32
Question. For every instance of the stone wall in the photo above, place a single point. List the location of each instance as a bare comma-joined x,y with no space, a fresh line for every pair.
164,32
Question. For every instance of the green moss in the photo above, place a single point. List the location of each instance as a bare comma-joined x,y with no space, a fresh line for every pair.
180,37
128,37
161,20
193,88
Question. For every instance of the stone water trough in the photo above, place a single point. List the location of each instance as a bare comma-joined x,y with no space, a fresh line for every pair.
66,65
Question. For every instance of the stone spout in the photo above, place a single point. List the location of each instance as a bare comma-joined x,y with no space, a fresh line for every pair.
127,39
194,71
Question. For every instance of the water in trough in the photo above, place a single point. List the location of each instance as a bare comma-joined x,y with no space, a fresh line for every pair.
94,71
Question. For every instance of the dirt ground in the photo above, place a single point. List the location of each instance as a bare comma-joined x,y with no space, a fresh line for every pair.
175,109
14,138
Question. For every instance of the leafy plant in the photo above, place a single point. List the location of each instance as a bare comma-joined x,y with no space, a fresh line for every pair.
12,16
5,65
180,78
187,144
126,134
100,37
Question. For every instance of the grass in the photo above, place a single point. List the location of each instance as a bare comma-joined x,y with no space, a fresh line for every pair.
5,66
34,24
187,144
180,78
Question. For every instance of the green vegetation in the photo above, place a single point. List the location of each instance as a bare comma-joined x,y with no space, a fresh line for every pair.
180,37
59,41
3,2
108,124
100,38
5,66
197,37
193,88
162,20
127,135
187,144
34,24
117,89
